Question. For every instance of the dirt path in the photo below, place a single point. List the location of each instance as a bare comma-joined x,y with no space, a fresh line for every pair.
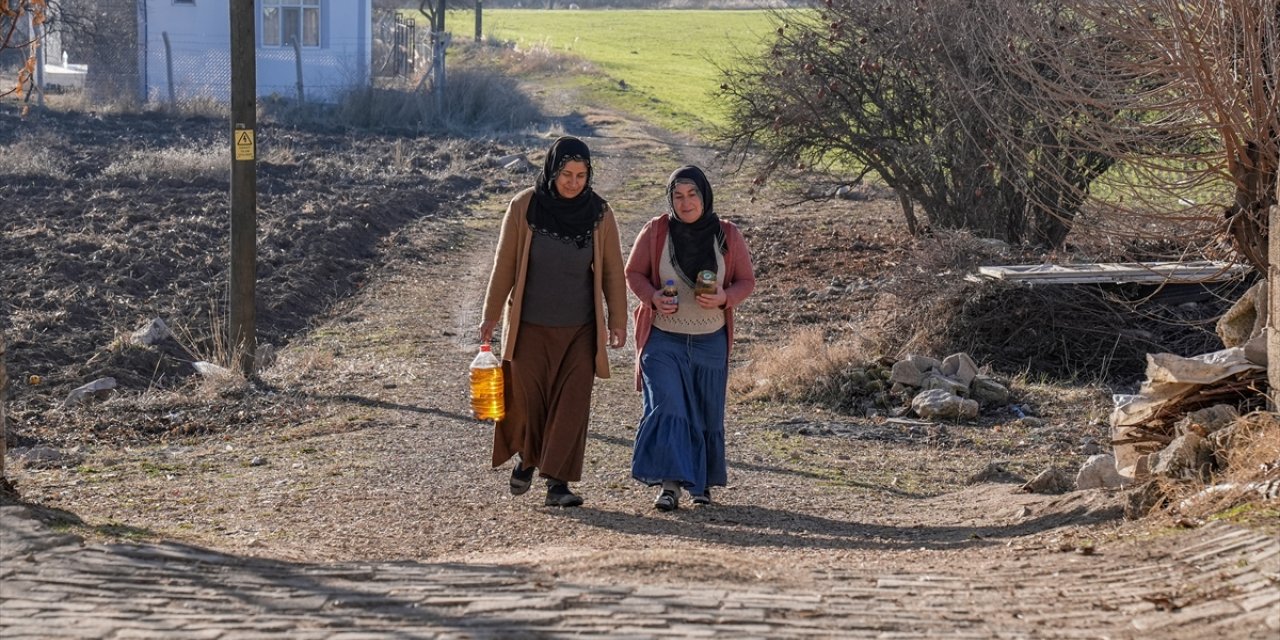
829,528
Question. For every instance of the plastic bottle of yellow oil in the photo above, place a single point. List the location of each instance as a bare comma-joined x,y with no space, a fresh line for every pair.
486,386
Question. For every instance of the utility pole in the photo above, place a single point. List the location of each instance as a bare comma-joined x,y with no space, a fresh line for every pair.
244,187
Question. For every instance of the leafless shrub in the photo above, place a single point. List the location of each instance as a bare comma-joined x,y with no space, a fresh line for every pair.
920,95
1198,84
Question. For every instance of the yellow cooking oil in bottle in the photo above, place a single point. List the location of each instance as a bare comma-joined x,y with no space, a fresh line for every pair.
486,386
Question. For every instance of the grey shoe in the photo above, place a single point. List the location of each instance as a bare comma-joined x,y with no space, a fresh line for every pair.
559,495
668,500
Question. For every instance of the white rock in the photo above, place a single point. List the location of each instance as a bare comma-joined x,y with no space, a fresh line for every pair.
936,403
1099,472
987,391
1188,455
151,333
210,370
905,372
961,367
939,381
98,389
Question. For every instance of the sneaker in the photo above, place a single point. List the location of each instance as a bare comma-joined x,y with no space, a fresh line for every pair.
521,478
667,501
559,495
703,499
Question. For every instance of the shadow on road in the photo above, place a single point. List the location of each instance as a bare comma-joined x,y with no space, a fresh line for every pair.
754,526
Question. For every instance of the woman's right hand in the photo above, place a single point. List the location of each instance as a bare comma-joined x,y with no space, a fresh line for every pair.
486,331
664,304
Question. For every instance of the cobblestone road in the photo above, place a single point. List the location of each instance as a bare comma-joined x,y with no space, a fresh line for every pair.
1224,583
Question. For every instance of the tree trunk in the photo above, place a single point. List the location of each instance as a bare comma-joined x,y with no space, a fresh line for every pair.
909,212
1273,307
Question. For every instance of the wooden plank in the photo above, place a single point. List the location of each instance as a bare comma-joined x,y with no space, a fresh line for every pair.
1115,272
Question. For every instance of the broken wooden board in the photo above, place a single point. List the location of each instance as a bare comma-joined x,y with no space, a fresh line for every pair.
1116,272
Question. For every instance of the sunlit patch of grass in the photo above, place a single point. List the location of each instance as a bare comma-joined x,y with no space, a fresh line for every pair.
34,154
661,64
179,162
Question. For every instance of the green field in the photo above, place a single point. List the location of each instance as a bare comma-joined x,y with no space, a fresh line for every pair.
669,60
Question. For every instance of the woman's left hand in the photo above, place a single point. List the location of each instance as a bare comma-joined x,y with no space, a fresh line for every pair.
617,338
715,300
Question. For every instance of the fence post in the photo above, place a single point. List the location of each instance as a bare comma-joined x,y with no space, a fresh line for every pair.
168,68
37,40
479,18
297,63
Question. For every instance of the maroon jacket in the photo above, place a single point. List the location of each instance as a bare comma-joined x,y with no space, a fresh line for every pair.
643,279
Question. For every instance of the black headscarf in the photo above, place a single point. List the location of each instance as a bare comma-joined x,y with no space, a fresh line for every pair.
566,219
694,244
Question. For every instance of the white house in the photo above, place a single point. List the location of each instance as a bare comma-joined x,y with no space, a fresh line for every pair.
334,48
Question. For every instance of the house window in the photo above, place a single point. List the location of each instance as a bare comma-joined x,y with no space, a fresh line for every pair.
284,20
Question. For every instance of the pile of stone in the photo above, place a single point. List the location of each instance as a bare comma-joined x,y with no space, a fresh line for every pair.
947,389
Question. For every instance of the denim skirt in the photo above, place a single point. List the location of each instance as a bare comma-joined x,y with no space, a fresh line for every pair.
681,432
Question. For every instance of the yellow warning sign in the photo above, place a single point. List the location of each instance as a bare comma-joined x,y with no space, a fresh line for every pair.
244,144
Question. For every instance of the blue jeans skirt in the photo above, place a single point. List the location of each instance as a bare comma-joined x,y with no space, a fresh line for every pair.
681,432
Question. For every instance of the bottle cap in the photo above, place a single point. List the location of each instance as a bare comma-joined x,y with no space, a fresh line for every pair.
484,347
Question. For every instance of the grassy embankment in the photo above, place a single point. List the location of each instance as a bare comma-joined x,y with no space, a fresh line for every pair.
663,65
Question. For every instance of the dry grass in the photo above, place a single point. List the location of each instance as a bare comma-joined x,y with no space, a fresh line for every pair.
1249,472
809,369
182,162
476,100
537,59
34,154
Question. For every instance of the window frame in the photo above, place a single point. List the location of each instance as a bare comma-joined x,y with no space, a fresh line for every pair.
274,28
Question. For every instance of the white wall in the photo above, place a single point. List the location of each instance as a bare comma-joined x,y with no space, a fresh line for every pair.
200,41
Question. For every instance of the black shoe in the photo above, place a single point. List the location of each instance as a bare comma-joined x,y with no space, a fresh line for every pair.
559,495
703,499
521,478
667,501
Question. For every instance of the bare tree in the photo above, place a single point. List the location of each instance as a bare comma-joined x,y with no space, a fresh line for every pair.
1199,80
921,95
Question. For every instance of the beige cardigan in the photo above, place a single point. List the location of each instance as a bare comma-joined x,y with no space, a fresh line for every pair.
511,266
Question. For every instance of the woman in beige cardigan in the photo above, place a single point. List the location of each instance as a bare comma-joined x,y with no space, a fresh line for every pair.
558,265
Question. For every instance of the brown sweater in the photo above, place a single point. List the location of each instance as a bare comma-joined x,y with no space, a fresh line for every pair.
511,266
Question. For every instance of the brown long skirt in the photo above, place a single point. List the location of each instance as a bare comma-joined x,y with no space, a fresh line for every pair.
548,400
